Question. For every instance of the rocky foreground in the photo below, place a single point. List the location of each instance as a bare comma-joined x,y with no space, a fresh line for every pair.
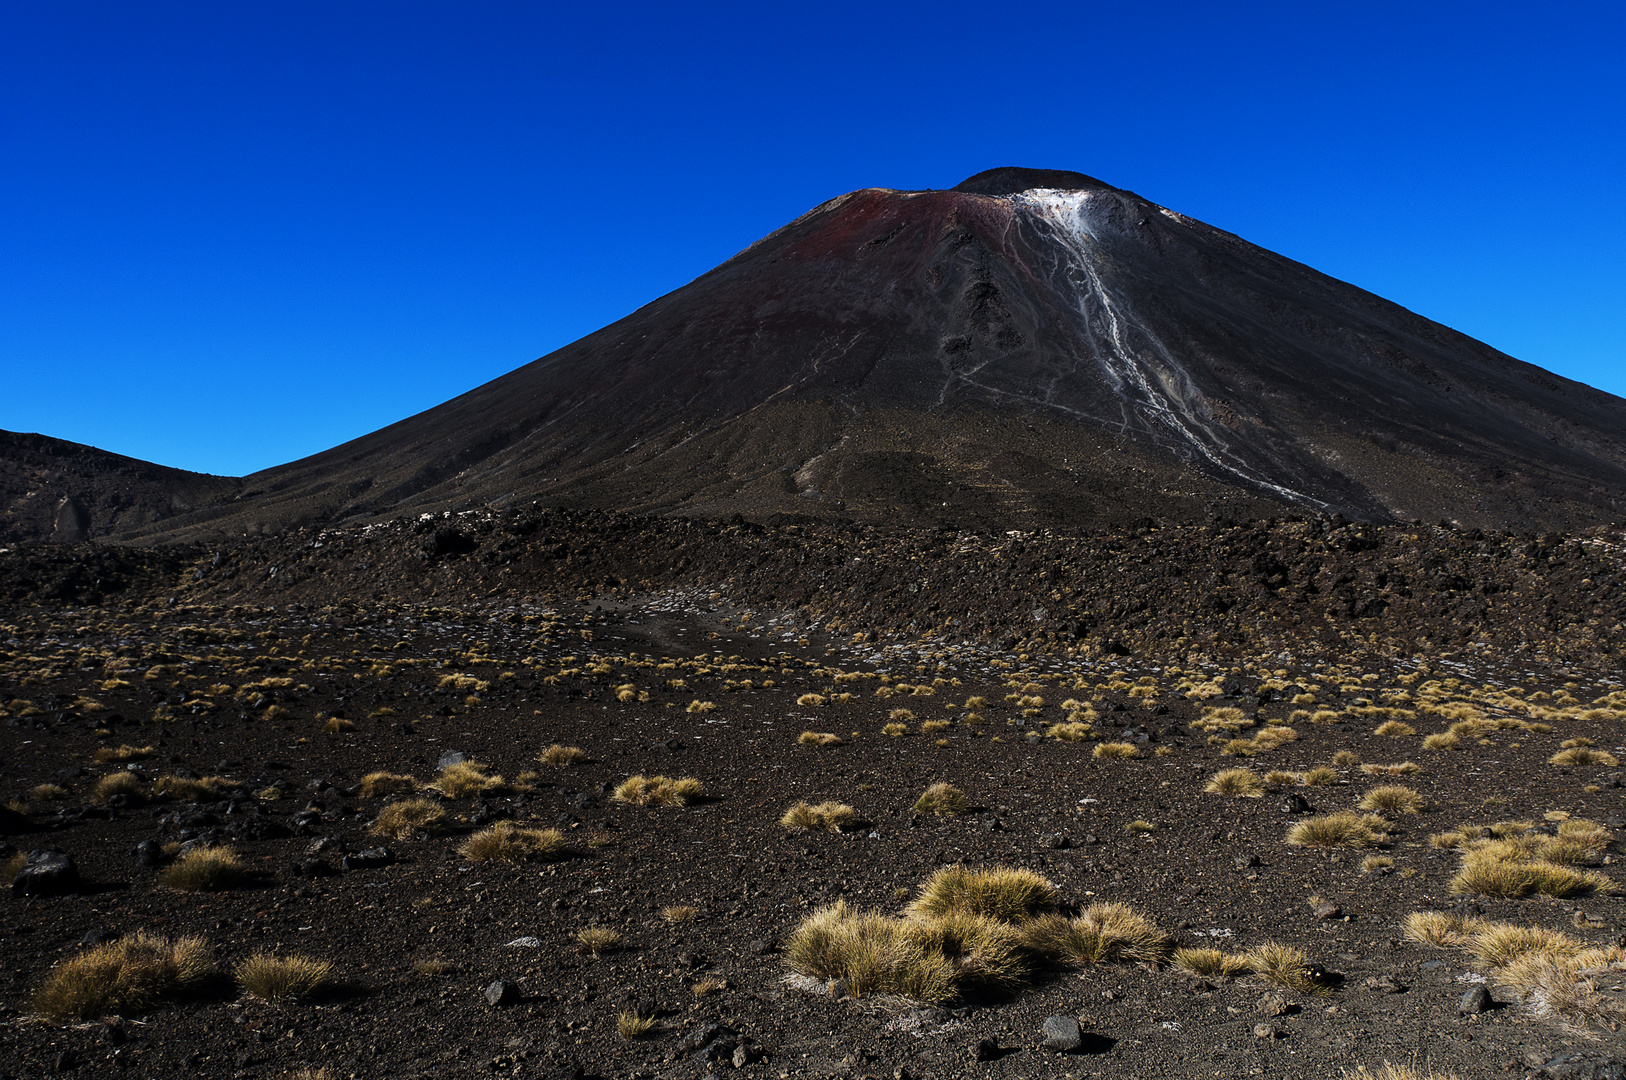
1359,786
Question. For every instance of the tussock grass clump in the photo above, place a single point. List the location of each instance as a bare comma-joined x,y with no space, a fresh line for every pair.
1375,863
1583,755
1210,962
633,1026
1283,778
934,959
895,730
402,820
819,738
1390,1071
283,978
1485,874
106,754
1396,728
119,783
1320,776
597,940
558,754
1239,783
1403,768
1394,799
204,869
1346,759
942,799
375,784
1444,929
932,727
1072,731
1563,988
1499,944
47,793
1115,751
1442,740
468,778
679,913
337,724
126,976
1104,933
1008,894
643,790
507,842
824,817
1282,965
1345,828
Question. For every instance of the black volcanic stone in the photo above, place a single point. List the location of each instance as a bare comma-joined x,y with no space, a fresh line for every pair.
48,872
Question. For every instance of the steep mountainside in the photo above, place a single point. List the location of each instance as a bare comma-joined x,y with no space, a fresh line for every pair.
1030,348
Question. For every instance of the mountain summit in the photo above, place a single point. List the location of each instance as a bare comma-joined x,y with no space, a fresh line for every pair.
1030,348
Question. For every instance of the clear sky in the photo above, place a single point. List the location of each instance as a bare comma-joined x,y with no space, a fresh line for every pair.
233,234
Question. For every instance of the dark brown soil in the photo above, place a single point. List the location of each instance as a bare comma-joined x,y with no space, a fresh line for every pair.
368,624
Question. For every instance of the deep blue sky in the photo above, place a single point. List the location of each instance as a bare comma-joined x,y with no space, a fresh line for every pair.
232,234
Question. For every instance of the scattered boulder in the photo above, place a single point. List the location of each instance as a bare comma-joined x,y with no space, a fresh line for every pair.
1477,1000
47,872
501,993
1062,1033
450,758
149,854
369,859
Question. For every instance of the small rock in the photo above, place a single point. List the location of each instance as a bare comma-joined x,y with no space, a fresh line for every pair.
47,872
763,946
1056,841
1296,804
1273,1005
1246,862
525,943
1475,1001
310,868
1386,983
1062,1033
450,758
985,1050
148,854
744,1055
1266,1031
366,860
1327,910
62,776
501,993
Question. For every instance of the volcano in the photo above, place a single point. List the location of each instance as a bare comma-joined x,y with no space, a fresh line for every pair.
1029,349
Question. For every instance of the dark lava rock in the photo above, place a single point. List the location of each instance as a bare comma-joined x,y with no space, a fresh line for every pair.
48,872
698,1039
1056,841
1296,804
450,758
1061,1033
149,853
1588,1065
370,858
1475,1001
1327,910
501,993
62,776
310,868
985,1050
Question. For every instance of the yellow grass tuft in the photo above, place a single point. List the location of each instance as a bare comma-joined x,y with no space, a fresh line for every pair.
507,842
597,940
1583,755
126,976
1345,828
1241,783
943,799
1104,933
1115,751
376,784
403,820
1282,965
468,778
643,790
819,738
204,869
558,754
106,754
825,817
119,783
1210,962
1005,893
283,978
1394,799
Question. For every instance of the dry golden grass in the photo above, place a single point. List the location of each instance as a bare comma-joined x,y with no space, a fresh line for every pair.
1105,933
942,799
643,790
119,783
1499,944
1344,828
1320,776
283,978
558,754
597,940
507,842
675,914
819,738
1486,874
468,778
1583,755
1115,751
47,793
823,817
708,986
1282,965
1444,929
375,784
204,869
934,959
1346,759
124,977
1397,728
1005,893
633,1026
1403,768
1072,731
106,754
932,727
1210,963
1239,783
337,724
895,730
1374,863
1388,1070
1394,799
1442,740
403,820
